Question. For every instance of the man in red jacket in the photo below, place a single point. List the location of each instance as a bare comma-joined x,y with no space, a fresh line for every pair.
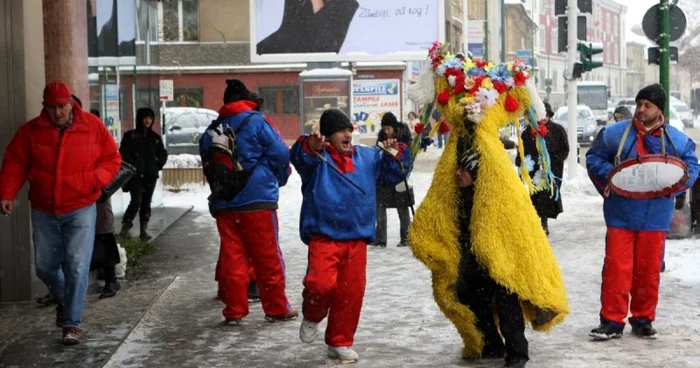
68,156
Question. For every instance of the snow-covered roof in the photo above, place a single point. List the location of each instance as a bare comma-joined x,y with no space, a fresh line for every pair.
325,72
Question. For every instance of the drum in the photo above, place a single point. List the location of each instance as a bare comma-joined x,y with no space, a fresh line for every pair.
648,177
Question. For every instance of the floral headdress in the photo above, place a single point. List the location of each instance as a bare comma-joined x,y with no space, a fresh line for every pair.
458,85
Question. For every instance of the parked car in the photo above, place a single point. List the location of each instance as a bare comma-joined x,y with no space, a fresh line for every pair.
587,125
685,114
675,120
184,126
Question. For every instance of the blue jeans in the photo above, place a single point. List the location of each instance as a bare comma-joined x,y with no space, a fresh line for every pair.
62,251
442,138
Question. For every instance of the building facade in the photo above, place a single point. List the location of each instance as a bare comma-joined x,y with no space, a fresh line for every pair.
606,25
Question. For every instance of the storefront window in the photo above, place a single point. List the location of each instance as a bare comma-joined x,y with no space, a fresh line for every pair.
280,99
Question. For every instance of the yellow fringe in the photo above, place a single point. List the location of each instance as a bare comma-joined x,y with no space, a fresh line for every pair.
507,238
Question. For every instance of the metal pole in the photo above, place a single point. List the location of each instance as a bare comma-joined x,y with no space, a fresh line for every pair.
572,13
465,27
503,31
486,29
664,55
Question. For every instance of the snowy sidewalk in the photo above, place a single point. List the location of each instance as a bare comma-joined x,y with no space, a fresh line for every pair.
401,325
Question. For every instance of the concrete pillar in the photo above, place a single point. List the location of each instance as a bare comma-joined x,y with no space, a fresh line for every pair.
66,45
22,71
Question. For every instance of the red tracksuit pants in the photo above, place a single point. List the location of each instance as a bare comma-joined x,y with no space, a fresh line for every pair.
632,268
334,286
251,237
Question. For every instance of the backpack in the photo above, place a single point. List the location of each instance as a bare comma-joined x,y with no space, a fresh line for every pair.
225,174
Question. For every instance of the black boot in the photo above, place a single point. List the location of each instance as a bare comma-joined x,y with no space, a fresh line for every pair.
110,289
253,292
144,231
126,226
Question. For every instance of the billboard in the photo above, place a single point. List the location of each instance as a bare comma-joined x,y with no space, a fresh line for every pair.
371,99
344,30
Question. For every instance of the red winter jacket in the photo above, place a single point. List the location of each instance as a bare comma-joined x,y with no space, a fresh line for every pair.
66,170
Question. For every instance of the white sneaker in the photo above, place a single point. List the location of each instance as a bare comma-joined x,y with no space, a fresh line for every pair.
308,331
343,353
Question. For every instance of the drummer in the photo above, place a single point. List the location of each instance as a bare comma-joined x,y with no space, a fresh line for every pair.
636,228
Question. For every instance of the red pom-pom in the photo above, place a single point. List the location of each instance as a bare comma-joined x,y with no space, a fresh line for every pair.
534,133
444,128
511,104
444,97
520,79
542,129
500,86
418,128
459,84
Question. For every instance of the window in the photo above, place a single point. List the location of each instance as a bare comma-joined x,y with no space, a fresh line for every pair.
280,99
146,14
187,97
183,13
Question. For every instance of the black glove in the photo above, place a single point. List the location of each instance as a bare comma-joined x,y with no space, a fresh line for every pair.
680,201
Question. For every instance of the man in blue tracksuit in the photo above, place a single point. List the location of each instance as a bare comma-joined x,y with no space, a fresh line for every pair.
637,228
248,223
337,222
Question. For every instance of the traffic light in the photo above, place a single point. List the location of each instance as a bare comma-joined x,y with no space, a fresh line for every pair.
588,51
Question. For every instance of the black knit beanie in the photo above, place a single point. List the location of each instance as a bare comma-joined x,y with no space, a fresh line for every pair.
653,93
389,119
333,120
235,91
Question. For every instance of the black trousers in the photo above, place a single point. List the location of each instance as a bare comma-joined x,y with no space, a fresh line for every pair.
485,297
141,190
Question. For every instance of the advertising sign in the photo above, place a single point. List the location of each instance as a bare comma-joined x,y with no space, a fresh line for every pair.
371,99
319,95
111,115
344,30
475,37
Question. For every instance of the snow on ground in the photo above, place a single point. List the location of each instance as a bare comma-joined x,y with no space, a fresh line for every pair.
401,325
183,161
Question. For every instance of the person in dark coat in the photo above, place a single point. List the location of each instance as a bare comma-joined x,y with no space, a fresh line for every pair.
143,148
547,205
389,196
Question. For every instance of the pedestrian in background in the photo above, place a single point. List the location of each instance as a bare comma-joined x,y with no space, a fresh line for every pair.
548,204
143,148
387,195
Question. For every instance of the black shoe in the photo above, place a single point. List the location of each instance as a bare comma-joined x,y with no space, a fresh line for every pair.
404,243
383,245
46,300
644,330
253,292
516,362
606,330
493,353
110,289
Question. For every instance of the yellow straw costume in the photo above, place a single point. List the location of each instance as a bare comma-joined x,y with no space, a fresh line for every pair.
506,236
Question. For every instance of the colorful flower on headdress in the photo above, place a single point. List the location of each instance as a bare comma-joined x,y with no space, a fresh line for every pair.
487,97
476,84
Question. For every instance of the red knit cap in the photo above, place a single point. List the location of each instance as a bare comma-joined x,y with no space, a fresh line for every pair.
56,93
